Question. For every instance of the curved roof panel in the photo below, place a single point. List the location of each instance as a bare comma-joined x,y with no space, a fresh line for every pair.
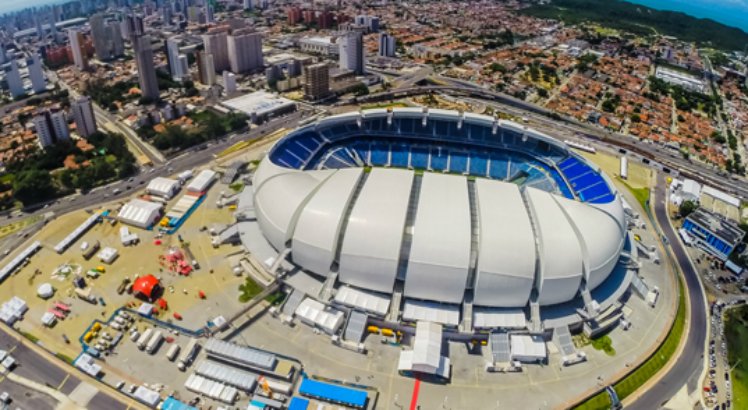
506,256
315,238
278,201
440,251
601,239
371,243
560,254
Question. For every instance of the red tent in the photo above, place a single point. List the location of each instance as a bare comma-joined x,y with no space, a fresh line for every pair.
146,285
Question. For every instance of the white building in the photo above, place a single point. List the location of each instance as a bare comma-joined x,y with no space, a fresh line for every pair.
319,45
229,82
83,114
245,51
680,78
177,62
202,181
386,45
163,187
216,44
76,45
38,83
51,128
13,78
140,213
426,356
352,52
260,105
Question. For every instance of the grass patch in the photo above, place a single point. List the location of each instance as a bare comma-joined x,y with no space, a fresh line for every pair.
649,368
736,333
29,336
384,105
604,343
641,194
64,358
276,298
237,186
249,289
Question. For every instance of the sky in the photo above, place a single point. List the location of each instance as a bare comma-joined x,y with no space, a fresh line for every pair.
14,5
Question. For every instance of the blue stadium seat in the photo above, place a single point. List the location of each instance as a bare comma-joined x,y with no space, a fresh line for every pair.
585,181
379,154
479,164
362,150
419,157
499,167
458,162
594,191
561,184
399,156
439,159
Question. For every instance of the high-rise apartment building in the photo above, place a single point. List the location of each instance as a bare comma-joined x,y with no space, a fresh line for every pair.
36,74
178,66
245,51
386,45
351,47
206,72
294,15
76,45
216,44
146,70
83,114
51,128
13,78
316,81
229,82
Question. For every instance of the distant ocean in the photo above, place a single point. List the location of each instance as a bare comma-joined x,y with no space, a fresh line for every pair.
728,12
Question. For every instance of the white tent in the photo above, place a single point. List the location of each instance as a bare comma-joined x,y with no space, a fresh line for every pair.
526,348
108,255
45,291
426,356
163,187
140,213
202,181
48,319
319,315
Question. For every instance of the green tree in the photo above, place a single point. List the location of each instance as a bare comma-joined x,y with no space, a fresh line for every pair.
32,186
686,208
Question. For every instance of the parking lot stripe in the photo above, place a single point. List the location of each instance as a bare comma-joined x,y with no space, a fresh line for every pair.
63,381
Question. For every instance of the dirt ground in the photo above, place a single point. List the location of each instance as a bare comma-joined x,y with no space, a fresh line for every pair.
221,286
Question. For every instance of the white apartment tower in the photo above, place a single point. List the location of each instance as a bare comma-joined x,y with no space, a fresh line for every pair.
352,52
38,83
245,51
83,114
76,44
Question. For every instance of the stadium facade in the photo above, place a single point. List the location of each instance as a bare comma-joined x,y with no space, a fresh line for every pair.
441,209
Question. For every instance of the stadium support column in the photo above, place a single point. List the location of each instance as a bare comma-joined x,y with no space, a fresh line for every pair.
536,324
466,325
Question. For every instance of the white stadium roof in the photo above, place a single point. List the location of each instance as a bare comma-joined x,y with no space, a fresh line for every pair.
371,245
506,263
384,225
440,253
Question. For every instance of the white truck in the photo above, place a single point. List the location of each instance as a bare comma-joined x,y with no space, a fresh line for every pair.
144,338
172,353
188,355
155,342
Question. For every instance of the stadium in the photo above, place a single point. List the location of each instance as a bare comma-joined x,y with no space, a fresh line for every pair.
425,214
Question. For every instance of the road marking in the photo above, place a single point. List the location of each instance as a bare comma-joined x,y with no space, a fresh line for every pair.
414,398
67,376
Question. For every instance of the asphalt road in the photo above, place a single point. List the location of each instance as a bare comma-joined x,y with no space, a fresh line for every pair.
42,369
188,160
688,365
24,398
